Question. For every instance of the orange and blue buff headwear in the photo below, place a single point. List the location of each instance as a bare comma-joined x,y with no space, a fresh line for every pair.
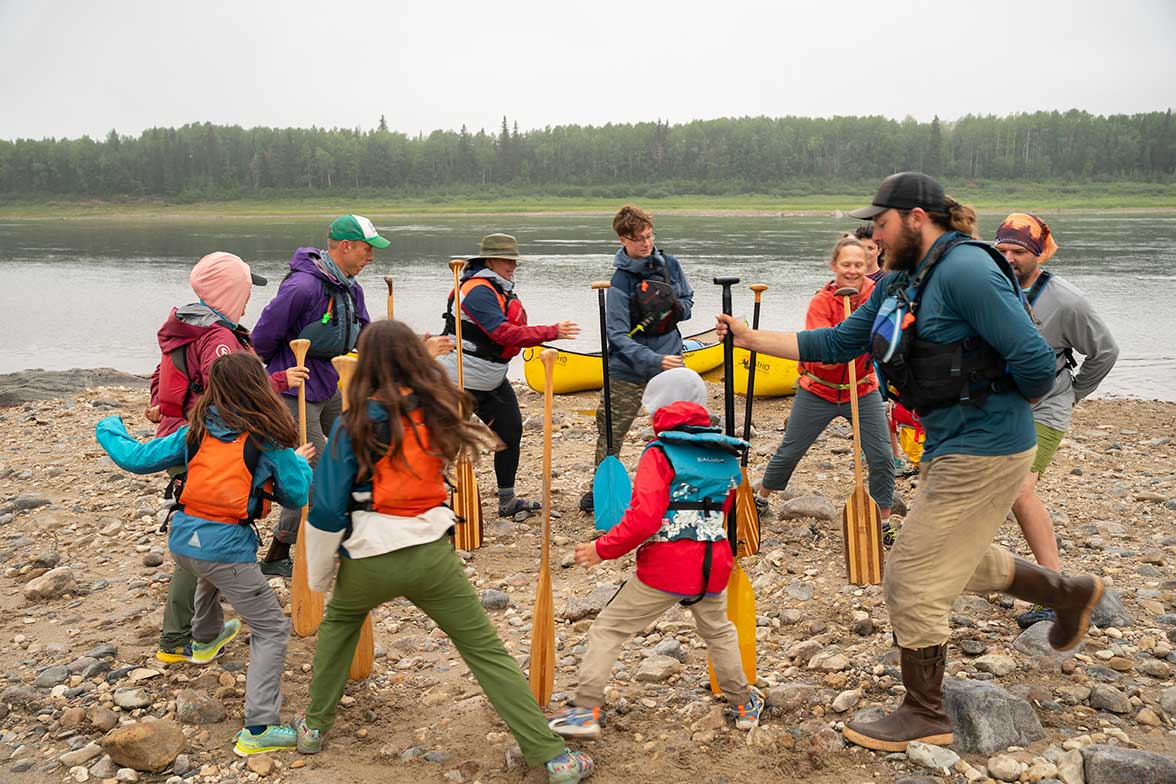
1028,231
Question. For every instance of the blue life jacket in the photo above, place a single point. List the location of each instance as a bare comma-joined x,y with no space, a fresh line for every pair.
922,375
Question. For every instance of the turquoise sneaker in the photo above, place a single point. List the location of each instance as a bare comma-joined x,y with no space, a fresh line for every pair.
276,737
309,741
569,767
204,652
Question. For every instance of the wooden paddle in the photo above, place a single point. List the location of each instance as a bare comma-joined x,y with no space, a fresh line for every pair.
747,522
542,675
860,521
388,280
306,606
365,652
467,500
740,596
611,488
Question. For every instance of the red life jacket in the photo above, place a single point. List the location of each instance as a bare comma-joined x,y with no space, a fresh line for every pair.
485,347
219,483
412,481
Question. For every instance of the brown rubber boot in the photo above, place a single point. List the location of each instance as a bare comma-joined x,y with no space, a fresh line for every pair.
920,716
1072,598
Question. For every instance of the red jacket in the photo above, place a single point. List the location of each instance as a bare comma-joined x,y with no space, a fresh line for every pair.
674,567
826,310
202,344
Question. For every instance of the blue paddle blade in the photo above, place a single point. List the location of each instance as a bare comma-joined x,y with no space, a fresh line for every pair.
611,491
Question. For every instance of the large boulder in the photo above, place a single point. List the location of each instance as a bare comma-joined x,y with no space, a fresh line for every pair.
813,506
51,584
1110,611
1117,765
145,745
985,718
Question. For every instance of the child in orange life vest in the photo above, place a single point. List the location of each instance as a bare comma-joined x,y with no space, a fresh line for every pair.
685,482
380,496
238,449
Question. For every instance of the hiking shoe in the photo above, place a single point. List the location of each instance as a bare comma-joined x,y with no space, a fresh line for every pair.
586,502
573,722
747,715
762,505
275,737
309,741
889,535
519,509
280,568
181,653
1036,614
569,767
204,652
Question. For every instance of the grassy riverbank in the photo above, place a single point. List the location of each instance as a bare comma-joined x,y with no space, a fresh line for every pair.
995,197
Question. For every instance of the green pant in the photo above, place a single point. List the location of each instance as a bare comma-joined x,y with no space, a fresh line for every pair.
177,613
625,397
431,577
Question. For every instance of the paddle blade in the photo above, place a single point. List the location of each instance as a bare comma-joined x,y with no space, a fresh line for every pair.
611,492
861,526
542,675
365,652
741,612
306,606
467,504
747,522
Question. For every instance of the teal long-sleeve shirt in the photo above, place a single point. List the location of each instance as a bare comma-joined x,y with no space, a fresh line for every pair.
967,295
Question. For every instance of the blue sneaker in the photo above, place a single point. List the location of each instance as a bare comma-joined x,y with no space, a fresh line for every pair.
204,652
1036,614
276,737
747,715
309,741
573,722
569,767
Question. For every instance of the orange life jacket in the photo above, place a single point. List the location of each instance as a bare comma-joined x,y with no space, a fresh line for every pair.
411,481
219,484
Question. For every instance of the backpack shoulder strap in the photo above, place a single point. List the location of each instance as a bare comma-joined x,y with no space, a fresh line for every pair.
1038,286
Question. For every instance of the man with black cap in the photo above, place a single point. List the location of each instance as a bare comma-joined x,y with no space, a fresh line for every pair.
954,342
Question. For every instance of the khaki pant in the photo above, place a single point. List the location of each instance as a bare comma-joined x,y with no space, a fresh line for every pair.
636,606
945,545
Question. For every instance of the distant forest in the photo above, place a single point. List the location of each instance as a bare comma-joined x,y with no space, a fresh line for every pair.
787,155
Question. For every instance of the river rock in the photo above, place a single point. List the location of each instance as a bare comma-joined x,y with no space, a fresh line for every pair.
1034,642
931,756
194,707
493,599
800,590
1110,611
1117,765
103,719
145,745
1168,700
51,676
80,756
656,669
846,700
672,648
129,699
50,585
986,718
261,764
1103,696
1002,767
829,661
791,696
997,664
582,606
812,506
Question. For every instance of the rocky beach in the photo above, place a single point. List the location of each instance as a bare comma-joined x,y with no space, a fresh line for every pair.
85,571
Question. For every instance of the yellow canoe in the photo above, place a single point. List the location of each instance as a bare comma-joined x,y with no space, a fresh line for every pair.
576,372
774,376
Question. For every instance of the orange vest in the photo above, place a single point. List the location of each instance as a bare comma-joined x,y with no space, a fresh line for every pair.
219,486
410,482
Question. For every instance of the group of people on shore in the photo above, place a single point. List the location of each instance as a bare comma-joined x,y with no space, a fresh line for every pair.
970,342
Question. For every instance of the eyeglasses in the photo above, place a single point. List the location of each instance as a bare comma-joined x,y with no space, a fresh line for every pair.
644,238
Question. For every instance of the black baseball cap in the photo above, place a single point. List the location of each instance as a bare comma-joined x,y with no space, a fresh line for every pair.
905,191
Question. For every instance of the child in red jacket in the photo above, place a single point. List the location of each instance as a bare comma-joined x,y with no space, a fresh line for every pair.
685,481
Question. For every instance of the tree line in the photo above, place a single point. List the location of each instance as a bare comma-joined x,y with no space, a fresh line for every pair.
735,155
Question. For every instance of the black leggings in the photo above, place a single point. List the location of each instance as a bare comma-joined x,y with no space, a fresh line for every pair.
499,409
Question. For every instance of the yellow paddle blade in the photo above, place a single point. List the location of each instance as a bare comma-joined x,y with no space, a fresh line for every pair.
365,653
741,612
747,522
306,606
467,504
542,674
861,526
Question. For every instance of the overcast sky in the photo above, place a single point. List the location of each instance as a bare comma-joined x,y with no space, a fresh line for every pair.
73,67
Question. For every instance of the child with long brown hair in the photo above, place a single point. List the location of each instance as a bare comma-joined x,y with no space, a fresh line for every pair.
239,452
380,497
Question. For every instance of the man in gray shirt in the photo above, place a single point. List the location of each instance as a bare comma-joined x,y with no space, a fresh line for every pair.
1068,323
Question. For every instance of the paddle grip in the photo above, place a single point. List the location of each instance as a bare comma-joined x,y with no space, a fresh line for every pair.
728,359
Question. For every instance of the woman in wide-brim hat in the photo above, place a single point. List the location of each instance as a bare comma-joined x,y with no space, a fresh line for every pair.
494,330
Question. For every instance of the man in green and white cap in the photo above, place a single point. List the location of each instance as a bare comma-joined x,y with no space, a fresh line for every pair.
320,300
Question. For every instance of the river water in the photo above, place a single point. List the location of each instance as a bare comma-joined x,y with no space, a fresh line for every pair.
92,293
